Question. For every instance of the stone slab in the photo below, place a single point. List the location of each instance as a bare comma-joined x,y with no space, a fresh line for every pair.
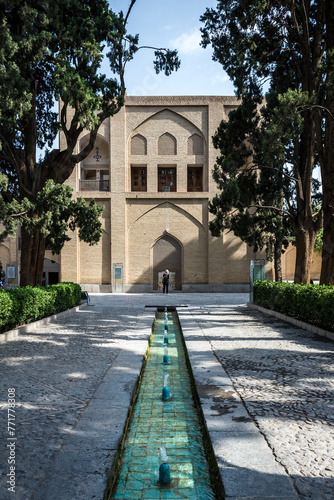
257,483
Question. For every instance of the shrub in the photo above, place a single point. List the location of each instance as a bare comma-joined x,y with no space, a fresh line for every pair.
6,306
24,305
309,303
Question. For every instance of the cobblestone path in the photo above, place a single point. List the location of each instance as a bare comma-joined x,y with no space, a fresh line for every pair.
55,371
285,377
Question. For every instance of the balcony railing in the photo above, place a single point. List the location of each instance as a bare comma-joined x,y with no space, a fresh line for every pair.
94,185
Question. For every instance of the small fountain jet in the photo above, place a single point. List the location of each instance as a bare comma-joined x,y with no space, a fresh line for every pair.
164,470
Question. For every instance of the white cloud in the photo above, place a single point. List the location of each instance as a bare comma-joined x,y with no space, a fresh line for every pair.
187,42
220,78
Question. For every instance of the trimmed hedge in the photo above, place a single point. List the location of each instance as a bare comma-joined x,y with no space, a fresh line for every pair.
24,305
310,303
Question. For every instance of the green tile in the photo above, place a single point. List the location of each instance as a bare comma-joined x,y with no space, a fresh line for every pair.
173,424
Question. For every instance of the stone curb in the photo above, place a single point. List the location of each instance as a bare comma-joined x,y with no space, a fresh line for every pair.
294,321
30,327
246,464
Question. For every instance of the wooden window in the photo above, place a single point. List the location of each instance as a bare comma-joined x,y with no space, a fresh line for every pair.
167,178
139,178
195,178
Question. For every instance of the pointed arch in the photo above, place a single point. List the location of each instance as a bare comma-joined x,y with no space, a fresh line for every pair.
167,254
167,144
101,141
138,145
195,145
94,170
168,204
172,115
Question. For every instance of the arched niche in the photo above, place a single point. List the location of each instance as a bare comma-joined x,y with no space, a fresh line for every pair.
195,145
167,144
138,145
167,254
94,172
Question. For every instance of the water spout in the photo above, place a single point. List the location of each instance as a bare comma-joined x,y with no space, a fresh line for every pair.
164,470
166,357
163,453
165,389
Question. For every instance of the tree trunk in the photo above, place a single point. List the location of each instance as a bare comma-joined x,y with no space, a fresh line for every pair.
278,260
32,258
305,240
327,265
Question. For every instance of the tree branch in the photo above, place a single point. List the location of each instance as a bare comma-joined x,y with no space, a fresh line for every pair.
269,207
129,11
11,156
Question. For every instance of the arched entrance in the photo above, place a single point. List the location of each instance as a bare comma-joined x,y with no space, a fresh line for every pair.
167,254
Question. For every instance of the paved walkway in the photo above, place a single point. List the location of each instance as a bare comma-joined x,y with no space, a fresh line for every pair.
266,387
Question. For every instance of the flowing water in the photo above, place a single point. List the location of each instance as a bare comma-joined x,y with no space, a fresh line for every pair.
164,431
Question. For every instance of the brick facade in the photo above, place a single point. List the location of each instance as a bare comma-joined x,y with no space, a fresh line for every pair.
151,170
151,203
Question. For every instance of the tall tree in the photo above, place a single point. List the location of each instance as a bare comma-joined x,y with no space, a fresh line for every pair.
257,42
52,50
253,182
325,141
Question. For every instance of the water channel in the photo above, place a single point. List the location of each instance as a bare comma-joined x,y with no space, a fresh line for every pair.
164,434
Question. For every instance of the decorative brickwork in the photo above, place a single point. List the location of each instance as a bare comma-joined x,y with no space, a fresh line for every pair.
164,144
167,144
195,145
138,145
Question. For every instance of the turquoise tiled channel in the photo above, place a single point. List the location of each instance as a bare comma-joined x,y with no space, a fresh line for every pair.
173,424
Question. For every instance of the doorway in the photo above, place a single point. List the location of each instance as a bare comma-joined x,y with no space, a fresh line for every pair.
51,272
167,254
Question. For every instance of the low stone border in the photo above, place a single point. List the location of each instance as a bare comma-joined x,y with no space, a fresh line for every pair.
30,327
295,322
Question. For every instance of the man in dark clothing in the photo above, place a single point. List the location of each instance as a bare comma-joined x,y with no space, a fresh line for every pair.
165,281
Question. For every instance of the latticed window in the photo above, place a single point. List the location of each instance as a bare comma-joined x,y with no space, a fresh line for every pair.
139,178
195,178
167,178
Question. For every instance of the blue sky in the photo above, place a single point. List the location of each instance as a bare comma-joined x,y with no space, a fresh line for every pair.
172,24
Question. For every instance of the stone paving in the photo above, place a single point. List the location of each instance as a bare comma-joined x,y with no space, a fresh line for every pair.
57,371
74,379
285,378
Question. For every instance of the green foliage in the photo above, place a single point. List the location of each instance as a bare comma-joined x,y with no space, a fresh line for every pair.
309,303
319,242
53,213
268,155
52,51
253,178
6,306
24,305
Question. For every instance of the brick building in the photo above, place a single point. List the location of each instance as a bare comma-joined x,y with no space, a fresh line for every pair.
151,170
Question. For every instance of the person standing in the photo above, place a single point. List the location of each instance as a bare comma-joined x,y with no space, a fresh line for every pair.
165,281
